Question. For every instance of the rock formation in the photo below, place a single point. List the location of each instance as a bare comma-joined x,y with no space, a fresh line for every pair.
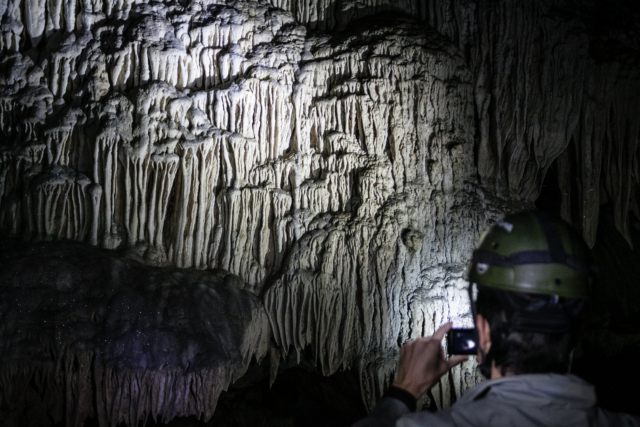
341,175
556,84
109,338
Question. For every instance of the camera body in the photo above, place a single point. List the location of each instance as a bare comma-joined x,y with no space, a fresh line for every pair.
462,341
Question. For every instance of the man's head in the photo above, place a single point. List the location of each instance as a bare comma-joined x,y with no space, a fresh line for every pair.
532,274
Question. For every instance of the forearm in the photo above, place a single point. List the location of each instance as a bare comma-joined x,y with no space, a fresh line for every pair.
422,364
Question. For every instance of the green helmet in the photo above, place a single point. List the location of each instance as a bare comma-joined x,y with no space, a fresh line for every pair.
532,252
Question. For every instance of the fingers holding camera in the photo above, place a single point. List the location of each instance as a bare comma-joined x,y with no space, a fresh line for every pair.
422,363
454,361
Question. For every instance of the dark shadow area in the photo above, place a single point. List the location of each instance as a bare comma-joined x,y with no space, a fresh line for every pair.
298,397
550,197
615,378
612,337
610,342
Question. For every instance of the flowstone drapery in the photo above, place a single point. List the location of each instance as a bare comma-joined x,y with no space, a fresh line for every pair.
556,85
341,176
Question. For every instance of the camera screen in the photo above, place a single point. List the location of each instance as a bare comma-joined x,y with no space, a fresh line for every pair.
462,341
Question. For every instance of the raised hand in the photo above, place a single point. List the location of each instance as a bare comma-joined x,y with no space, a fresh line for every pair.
422,363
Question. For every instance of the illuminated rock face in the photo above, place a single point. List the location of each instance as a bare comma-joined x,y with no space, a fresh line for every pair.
556,85
343,177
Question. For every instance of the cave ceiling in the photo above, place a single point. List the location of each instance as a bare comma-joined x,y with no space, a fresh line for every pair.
316,173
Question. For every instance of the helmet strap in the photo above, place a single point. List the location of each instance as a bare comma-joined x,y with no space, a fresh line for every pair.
554,240
549,316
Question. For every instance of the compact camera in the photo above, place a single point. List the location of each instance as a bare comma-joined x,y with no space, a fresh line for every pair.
462,341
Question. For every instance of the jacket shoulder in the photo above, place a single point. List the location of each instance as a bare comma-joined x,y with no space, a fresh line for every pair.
441,418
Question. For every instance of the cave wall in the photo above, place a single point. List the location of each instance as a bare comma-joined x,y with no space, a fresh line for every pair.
340,158
547,74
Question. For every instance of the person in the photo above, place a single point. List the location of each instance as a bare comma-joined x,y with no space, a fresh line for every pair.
529,278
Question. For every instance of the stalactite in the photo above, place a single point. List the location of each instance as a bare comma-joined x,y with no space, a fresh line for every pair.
61,204
163,171
195,200
59,138
64,64
537,87
114,121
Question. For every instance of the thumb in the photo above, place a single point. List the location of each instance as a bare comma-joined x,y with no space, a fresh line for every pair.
456,360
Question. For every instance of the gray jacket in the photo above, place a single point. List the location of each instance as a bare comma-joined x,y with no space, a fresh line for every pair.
521,400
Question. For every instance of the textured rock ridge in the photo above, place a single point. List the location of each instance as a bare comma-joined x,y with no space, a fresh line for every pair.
181,164
546,98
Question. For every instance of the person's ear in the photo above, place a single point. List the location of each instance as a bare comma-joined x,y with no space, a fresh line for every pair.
484,336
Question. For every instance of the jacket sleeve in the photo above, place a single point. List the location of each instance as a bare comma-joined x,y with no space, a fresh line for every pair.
385,413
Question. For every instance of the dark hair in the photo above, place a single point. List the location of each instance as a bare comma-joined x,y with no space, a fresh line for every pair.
525,352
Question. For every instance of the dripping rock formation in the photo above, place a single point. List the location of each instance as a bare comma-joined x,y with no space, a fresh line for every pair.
299,179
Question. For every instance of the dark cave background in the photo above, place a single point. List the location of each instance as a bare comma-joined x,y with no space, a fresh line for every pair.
611,339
